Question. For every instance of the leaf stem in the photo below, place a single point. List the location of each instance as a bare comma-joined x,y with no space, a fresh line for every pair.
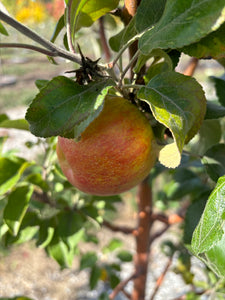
55,51
68,28
136,37
130,64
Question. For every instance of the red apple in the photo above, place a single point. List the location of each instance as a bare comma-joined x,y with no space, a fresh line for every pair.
115,152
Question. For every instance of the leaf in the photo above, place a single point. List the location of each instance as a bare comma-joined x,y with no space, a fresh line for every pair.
3,30
117,41
40,83
158,54
18,202
220,89
215,257
113,245
125,256
84,13
209,135
214,111
88,260
214,161
148,13
193,216
183,23
65,108
59,251
59,26
36,179
178,102
45,234
210,228
11,171
16,124
94,277
211,46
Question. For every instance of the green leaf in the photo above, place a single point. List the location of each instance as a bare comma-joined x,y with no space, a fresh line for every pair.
3,30
158,54
88,260
45,234
220,89
65,108
117,41
11,171
94,277
16,124
214,258
214,111
84,13
125,256
211,46
209,135
193,216
210,228
214,161
113,245
59,251
40,83
183,23
18,202
59,26
36,179
178,102
148,13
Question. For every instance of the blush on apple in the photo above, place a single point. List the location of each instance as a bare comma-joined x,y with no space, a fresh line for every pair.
115,152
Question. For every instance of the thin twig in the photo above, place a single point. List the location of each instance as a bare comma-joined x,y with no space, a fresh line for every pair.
121,286
158,234
30,47
136,37
161,278
68,28
56,51
115,228
130,64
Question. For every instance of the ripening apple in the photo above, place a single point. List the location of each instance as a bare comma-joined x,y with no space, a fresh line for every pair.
115,152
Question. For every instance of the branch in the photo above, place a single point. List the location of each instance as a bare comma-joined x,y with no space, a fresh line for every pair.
115,228
161,278
56,51
121,286
28,46
192,65
169,220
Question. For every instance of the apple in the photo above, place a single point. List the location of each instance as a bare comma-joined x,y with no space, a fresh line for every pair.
115,152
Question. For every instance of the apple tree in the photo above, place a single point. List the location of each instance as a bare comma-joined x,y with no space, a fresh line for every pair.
187,169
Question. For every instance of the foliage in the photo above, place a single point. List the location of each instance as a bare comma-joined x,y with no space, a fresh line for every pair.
39,203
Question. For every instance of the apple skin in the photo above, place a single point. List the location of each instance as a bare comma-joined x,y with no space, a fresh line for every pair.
115,152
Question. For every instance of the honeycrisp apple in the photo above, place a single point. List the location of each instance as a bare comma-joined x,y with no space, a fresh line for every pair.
115,152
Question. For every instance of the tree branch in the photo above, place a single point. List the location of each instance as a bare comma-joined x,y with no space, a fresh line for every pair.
28,46
56,51
161,278
191,67
121,286
115,228
144,202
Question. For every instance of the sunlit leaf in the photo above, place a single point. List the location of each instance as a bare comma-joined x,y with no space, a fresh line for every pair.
212,46
65,108
178,102
18,202
183,23
210,228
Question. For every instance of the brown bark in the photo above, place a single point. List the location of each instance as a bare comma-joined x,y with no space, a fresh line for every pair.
144,201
